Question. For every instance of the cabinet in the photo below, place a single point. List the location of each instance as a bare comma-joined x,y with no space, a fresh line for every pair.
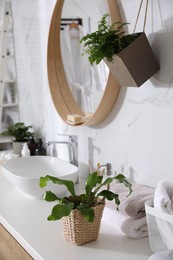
9,112
10,248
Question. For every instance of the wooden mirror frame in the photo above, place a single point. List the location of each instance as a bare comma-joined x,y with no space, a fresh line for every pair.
63,99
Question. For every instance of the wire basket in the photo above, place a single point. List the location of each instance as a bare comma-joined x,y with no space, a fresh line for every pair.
160,228
78,230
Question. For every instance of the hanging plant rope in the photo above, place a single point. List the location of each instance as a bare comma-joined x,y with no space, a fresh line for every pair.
145,17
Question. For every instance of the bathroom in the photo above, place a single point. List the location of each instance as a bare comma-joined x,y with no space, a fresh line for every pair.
136,137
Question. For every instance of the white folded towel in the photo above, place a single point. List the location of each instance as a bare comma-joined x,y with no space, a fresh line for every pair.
163,201
134,205
164,255
163,197
135,228
131,217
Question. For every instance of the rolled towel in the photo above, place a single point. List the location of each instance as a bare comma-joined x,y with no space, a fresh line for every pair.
135,228
163,197
164,255
134,205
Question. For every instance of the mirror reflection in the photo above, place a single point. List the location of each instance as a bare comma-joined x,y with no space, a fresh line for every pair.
87,83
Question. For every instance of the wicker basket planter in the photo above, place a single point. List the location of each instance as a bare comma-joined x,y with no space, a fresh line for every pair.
135,64
78,230
81,214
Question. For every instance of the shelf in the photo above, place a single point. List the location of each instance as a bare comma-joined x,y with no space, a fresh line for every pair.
8,75
5,139
10,105
10,56
10,81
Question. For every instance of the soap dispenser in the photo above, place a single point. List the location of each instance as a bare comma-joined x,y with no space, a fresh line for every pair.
32,146
25,150
40,149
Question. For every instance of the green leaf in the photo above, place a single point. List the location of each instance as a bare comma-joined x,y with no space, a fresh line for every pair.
122,179
60,211
92,180
68,184
109,195
107,181
87,212
50,196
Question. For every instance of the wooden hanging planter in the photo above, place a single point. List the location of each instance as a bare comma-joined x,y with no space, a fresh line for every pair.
135,64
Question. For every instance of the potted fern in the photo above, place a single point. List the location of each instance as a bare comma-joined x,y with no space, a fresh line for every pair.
81,214
129,56
20,134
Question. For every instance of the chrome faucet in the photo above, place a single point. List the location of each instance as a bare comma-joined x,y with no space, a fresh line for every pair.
108,168
72,145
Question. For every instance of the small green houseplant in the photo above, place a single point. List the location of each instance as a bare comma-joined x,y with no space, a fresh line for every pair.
19,131
20,134
80,211
106,41
128,56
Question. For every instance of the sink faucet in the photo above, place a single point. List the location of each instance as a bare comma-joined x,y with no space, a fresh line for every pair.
107,166
72,145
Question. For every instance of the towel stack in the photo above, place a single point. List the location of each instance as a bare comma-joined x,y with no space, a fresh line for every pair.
131,217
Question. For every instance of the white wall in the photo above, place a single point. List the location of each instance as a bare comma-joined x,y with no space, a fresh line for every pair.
137,136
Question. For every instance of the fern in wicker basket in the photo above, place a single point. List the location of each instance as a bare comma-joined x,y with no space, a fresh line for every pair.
81,214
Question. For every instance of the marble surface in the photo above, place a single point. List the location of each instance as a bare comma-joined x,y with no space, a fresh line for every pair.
25,219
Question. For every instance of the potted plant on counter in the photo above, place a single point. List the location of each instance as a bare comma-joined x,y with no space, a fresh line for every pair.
20,134
81,214
129,56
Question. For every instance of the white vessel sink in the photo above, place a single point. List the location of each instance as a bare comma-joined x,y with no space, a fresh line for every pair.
25,172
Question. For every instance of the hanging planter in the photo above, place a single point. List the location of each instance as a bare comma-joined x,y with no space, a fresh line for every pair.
129,56
135,64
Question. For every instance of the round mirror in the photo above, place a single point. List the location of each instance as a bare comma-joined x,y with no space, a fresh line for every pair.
71,96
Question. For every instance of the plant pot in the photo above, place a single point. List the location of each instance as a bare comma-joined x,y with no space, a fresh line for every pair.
78,230
17,147
135,64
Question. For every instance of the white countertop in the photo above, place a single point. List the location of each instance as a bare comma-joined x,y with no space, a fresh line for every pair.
26,219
